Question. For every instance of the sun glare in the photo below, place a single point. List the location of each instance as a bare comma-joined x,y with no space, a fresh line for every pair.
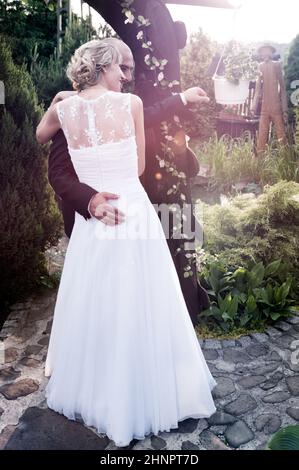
252,20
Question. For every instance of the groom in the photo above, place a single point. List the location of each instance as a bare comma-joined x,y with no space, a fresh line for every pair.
79,197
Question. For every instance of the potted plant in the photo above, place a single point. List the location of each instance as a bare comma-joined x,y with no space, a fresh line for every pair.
240,67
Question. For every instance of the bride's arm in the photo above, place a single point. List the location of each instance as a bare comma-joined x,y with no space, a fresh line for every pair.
48,126
137,112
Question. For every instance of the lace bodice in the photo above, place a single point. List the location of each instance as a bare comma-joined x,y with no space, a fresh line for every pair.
101,141
92,122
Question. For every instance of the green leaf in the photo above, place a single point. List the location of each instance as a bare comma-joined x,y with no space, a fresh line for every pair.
226,317
275,315
281,293
243,297
251,305
256,275
264,295
272,268
285,439
244,319
233,307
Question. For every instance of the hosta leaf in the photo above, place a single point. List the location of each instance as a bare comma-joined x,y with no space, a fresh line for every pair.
257,275
285,439
272,268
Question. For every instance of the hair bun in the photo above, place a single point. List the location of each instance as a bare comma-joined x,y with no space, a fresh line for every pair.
89,61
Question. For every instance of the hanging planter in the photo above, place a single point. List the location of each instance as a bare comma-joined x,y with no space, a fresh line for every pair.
228,93
233,87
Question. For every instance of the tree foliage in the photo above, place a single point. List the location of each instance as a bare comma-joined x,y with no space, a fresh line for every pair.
195,61
29,221
29,23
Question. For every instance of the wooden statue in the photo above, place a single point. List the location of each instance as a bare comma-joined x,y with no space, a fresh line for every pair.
270,91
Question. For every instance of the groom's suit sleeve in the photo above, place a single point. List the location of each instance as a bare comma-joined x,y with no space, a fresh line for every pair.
162,110
64,179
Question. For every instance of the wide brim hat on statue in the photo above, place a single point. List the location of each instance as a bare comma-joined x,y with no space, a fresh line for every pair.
266,46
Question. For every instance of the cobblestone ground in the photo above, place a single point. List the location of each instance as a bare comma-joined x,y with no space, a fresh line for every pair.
257,391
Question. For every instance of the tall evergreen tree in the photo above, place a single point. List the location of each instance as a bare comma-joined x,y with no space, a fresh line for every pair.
29,219
29,23
292,73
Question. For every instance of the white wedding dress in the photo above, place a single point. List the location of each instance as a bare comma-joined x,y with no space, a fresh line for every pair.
123,354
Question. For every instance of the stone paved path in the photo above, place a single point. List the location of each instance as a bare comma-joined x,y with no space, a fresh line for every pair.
257,391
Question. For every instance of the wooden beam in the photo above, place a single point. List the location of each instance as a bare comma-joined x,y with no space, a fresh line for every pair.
202,3
100,4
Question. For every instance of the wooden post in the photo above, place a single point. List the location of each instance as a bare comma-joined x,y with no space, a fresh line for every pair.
69,12
59,26
60,9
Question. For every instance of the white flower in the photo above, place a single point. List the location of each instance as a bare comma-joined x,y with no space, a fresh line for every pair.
160,76
130,17
139,35
143,21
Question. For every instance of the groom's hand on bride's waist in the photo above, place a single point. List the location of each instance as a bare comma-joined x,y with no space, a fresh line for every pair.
100,208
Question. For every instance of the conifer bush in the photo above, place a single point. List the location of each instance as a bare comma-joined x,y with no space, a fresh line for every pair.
30,221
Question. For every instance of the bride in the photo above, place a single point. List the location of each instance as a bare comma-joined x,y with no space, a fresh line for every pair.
123,354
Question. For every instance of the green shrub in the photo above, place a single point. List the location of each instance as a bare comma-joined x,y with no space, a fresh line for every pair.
28,23
243,239
247,297
29,221
250,229
291,73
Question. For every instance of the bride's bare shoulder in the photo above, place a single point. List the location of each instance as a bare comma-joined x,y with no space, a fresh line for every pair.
136,102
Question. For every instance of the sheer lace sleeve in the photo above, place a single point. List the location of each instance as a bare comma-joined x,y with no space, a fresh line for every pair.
94,122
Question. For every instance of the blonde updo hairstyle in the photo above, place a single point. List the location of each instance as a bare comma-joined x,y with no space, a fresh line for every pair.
89,61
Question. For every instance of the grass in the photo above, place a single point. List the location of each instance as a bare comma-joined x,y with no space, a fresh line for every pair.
232,161
204,332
